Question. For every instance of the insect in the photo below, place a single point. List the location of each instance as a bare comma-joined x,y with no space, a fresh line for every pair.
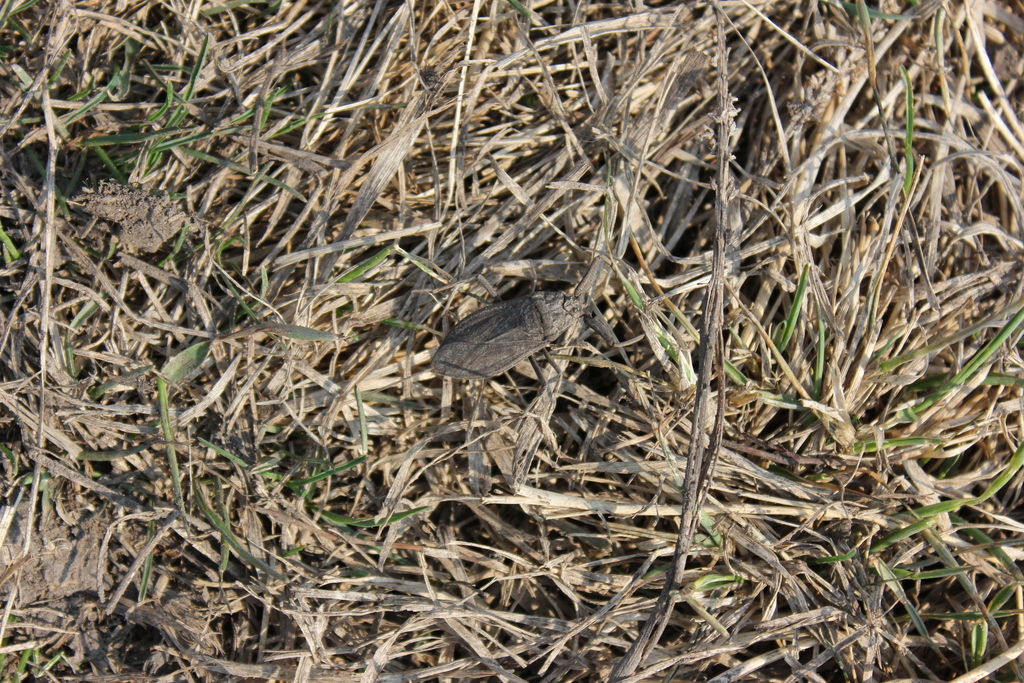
493,339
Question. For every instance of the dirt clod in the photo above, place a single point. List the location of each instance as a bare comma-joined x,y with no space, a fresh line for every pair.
62,561
147,221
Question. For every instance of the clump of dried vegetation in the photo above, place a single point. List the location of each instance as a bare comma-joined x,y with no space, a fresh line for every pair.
225,454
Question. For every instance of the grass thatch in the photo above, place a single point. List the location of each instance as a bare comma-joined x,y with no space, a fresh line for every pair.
225,454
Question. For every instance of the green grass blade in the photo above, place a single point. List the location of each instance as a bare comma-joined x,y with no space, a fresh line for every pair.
974,365
186,362
785,333
224,452
168,430
229,538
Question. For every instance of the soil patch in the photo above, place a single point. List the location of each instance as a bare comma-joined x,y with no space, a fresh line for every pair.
146,220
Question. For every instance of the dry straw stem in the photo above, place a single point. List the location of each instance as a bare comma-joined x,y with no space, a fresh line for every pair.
235,443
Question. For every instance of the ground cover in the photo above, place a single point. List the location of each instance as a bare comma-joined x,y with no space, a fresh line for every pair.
786,447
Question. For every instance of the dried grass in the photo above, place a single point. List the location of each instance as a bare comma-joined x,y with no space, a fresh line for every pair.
228,458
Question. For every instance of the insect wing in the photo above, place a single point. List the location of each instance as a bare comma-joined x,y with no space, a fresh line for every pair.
489,341
494,338
469,360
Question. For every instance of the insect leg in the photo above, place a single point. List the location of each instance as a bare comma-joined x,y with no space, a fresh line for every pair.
600,325
537,369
